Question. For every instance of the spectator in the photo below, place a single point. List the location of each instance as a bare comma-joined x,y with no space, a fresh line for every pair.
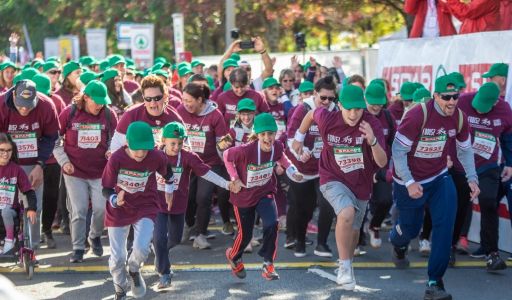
477,15
431,18
506,14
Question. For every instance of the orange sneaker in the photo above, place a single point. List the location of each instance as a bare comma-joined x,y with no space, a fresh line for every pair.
237,268
269,273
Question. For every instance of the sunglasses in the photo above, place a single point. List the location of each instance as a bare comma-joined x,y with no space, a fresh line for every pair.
323,98
449,97
156,98
53,72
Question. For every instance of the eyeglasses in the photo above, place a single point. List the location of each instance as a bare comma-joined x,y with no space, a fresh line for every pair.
53,72
287,80
156,98
449,97
5,151
323,98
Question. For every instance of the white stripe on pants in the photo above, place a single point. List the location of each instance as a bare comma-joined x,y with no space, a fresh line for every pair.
143,232
80,191
35,229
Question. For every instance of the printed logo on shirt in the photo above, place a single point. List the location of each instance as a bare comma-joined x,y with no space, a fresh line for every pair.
13,127
452,132
206,128
78,126
496,122
35,126
347,140
313,128
24,127
486,122
12,180
333,139
359,140
231,108
429,131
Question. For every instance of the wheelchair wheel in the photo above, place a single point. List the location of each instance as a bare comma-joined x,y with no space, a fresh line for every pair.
30,273
28,265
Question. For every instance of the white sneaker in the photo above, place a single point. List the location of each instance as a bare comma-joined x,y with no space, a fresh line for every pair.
8,246
201,242
359,251
375,240
424,247
345,278
248,249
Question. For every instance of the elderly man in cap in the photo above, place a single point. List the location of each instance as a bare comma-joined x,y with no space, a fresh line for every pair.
30,118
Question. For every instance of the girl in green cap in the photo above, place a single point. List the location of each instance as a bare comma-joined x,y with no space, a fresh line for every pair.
242,126
169,224
251,167
70,73
130,188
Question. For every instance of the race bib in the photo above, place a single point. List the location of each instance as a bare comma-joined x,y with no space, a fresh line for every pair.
132,181
281,128
430,146
197,140
349,158
89,136
484,144
26,143
317,147
258,175
176,179
7,194
157,135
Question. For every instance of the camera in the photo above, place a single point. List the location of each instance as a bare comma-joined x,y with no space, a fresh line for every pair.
235,33
246,45
300,40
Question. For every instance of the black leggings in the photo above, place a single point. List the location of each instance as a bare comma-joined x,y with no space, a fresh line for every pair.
463,203
381,200
50,196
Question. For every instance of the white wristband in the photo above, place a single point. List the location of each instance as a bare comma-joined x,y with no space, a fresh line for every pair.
408,183
299,137
169,188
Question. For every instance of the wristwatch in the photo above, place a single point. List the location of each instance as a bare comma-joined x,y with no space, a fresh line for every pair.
41,164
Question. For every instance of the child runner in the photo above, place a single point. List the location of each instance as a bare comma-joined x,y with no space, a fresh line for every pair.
251,166
129,184
13,180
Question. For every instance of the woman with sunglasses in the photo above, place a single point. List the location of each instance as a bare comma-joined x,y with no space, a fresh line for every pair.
70,74
304,196
153,111
52,70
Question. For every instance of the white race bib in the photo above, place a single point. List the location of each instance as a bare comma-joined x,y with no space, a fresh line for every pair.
197,140
258,175
132,181
349,158
160,181
26,142
89,136
281,128
430,146
317,147
7,194
484,144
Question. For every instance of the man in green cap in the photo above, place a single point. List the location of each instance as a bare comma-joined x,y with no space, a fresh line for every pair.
354,149
197,66
490,122
53,70
424,139
118,62
498,74
398,108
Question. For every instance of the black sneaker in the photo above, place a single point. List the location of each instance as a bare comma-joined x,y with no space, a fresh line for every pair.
435,291
453,253
77,256
290,243
479,253
399,257
495,263
96,246
323,251
300,249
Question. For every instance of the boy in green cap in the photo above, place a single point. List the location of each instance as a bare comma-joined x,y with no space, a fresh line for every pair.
130,188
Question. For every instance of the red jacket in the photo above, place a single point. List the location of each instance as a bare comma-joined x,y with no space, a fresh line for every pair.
476,16
506,14
418,8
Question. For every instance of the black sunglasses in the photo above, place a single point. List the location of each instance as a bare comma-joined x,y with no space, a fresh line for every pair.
53,72
449,97
323,98
156,98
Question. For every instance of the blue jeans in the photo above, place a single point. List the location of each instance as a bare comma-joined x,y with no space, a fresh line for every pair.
441,197
167,234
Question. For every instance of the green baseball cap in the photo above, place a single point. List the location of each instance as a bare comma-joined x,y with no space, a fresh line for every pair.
139,136
235,56
70,67
38,64
196,63
306,86
378,81
352,97
87,61
104,65
157,66
29,73
17,78
50,65
227,86
43,83
407,89
442,83
375,94
499,69
459,78
486,97
270,81
88,76
183,71
98,92
115,60
174,130
53,58
183,64
264,122
109,74
8,64
246,104
160,59
129,62
161,73
230,63
421,95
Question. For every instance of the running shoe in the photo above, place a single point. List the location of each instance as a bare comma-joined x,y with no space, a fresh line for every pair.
323,251
479,253
237,267
375,240
424,248
463,245
435,291
268,272
399,257
495,263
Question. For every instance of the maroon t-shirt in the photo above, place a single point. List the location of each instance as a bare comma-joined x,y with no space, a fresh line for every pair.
397,110
174,101
130,86
313,141
176,93
182,166
215,95
85,136
388,128
27,131
66,95
486,130
59,106
258,176
12,180
203,132
138,179
431,144
228,101
346,156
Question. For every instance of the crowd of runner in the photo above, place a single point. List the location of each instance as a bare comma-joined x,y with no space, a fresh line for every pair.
97,144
